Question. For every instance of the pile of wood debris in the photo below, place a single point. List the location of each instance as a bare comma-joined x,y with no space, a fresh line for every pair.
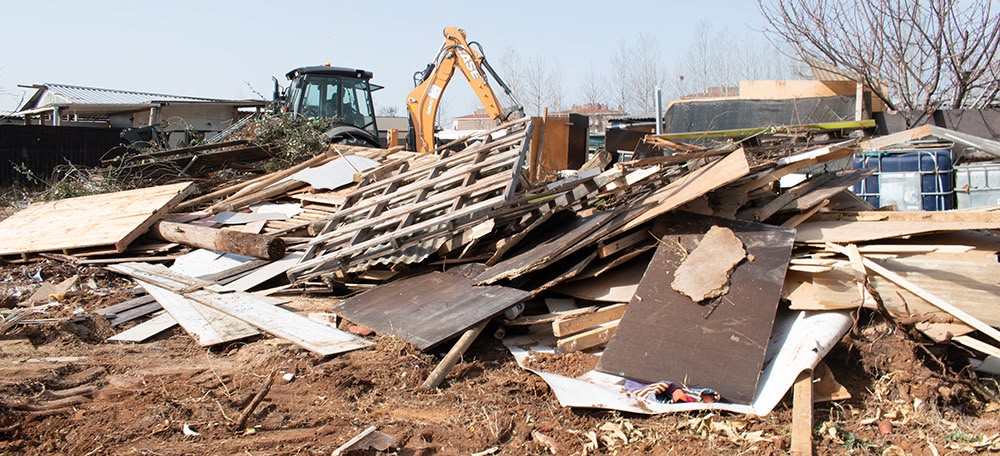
694,266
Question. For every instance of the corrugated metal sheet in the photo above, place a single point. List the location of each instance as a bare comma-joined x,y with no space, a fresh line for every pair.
50,94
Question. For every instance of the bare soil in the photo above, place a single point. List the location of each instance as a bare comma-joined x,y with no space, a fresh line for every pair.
65,390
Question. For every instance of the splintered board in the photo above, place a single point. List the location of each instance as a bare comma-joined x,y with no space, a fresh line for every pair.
428,309
664,335
108,222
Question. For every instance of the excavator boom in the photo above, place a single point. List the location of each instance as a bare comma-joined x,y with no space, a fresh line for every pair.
423,102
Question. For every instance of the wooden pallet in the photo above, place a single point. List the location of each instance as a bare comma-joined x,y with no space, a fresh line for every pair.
422,206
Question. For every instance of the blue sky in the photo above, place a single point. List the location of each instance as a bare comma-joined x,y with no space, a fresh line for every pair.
222,49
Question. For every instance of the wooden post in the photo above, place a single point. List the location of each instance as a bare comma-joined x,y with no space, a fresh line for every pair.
802,414
456,352
247,244
859,101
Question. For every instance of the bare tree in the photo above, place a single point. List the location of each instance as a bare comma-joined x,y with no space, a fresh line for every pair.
621,62
647,73
537,83
915,55
388,111
510,70
554,86
592,89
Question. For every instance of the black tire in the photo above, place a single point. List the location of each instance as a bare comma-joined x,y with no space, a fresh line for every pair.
349,140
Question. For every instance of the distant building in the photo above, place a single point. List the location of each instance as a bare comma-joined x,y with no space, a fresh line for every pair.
714,92
176,116
598,113
478,120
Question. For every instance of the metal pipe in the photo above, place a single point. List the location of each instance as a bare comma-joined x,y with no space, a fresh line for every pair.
659,110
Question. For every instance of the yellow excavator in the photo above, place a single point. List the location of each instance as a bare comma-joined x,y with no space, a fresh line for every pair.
422,103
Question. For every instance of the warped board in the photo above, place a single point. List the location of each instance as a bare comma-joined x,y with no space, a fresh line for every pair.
617,285
548,251
691,186
258,311
428,309
209,326
859,231
110,221
721,344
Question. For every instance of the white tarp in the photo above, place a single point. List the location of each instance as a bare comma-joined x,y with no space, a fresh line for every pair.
336,173
799,341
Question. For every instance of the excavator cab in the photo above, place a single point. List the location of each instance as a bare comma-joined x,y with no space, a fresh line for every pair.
341,94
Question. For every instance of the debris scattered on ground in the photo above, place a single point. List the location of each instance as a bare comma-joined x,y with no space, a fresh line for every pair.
360,296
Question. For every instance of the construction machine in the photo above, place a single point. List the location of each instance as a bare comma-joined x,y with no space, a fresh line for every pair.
422,103
329,92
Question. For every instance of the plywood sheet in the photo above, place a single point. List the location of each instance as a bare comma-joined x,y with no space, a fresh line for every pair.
666,336
428,309
858,231
109,220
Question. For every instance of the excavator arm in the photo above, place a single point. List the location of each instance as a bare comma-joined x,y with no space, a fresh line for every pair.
423,102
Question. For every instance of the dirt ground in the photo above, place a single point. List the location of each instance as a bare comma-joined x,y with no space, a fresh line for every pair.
65,390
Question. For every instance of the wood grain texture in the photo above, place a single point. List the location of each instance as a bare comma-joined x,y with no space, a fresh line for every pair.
110,220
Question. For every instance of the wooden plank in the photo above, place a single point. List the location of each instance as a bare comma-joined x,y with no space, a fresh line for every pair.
265,273
801,161
567,325
827,126
514,240
912,216
145,330
208,326
561,271
877,143
607,249
798,219
297,329
633,178
927,296
802,414
258,311
809,193
588,339
691,186
724,340
844,232
111,220
438,374
427,309
552,249
618,285
526,320
978,345
136,312
825,191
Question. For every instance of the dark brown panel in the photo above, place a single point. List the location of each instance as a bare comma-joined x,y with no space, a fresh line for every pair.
428,309
664,335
